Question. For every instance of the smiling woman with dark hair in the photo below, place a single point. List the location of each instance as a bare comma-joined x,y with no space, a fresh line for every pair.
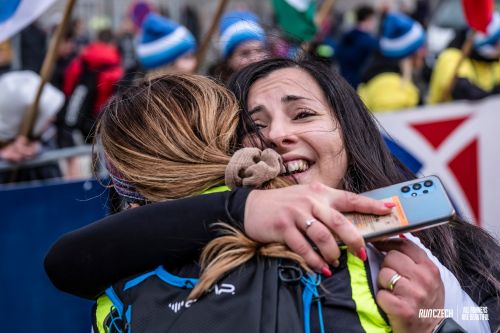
467,251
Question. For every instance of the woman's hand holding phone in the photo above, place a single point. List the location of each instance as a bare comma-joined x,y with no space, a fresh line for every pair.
300,214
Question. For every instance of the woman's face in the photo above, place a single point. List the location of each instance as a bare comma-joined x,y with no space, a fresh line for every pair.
291,111
185,64
247,53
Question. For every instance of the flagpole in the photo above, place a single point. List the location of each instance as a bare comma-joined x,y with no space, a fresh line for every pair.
46,72
323,13
200,55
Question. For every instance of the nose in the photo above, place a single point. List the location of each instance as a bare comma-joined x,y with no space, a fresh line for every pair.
280,135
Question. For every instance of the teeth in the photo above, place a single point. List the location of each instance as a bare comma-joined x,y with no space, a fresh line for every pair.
296,166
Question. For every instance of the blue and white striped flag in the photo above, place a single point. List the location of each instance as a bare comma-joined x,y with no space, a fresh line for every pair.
17,14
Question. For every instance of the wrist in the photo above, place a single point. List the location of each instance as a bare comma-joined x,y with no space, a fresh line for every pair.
235,206
250,203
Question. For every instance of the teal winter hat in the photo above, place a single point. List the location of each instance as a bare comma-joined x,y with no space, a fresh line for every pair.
401,36
237,27
162,41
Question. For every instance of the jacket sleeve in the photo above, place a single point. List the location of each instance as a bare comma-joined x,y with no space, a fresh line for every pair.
86,261
456,298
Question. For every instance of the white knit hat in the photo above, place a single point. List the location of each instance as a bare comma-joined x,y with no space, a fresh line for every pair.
17,93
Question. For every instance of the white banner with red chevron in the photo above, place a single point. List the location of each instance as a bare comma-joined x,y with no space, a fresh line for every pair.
460,143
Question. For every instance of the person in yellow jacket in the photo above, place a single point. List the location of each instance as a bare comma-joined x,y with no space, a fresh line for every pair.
387,81
478,75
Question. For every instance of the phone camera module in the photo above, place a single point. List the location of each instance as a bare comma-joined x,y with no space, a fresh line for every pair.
417,186
405,189
428,183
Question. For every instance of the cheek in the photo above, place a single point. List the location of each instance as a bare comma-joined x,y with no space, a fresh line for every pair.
333,168
332,151
332,156
252,140
234,62
247,141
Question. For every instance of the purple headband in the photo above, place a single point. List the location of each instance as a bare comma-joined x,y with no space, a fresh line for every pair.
124,188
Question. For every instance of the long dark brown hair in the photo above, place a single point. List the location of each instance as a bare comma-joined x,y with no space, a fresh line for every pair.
469,252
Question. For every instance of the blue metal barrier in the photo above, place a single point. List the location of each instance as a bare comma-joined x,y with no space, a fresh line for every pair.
31,219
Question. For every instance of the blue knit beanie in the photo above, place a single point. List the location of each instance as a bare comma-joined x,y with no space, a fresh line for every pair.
485,44
401,36
163,41
237,27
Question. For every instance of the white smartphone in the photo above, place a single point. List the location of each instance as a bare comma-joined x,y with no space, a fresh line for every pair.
419,204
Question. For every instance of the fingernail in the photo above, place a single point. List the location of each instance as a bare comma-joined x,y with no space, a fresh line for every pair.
389,204
402,236
336,263
362,254
326,271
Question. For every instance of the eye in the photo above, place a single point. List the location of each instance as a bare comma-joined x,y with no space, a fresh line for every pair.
256,126
304,113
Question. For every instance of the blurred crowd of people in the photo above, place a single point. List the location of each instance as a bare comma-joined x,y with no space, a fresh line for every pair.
381,54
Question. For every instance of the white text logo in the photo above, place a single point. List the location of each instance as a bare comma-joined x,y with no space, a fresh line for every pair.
435,313
177,306
224,288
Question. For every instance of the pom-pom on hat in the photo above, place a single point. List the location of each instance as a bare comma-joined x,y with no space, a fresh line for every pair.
485,44
237,27
138,11
163,41
401,36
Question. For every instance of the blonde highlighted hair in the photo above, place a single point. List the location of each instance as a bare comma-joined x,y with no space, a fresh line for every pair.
171,137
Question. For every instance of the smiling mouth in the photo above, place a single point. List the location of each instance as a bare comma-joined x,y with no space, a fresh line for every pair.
296,166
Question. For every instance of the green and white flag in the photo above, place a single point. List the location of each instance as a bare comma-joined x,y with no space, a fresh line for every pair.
296,18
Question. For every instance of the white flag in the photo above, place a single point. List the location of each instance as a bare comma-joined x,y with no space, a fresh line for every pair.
17,14
459,143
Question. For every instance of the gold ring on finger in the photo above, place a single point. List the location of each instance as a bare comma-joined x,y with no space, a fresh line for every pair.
392,282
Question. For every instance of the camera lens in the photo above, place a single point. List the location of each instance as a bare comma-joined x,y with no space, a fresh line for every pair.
405,189
417,186
428,183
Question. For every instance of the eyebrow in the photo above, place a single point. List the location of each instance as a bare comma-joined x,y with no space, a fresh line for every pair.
292,98
284,99
255,110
